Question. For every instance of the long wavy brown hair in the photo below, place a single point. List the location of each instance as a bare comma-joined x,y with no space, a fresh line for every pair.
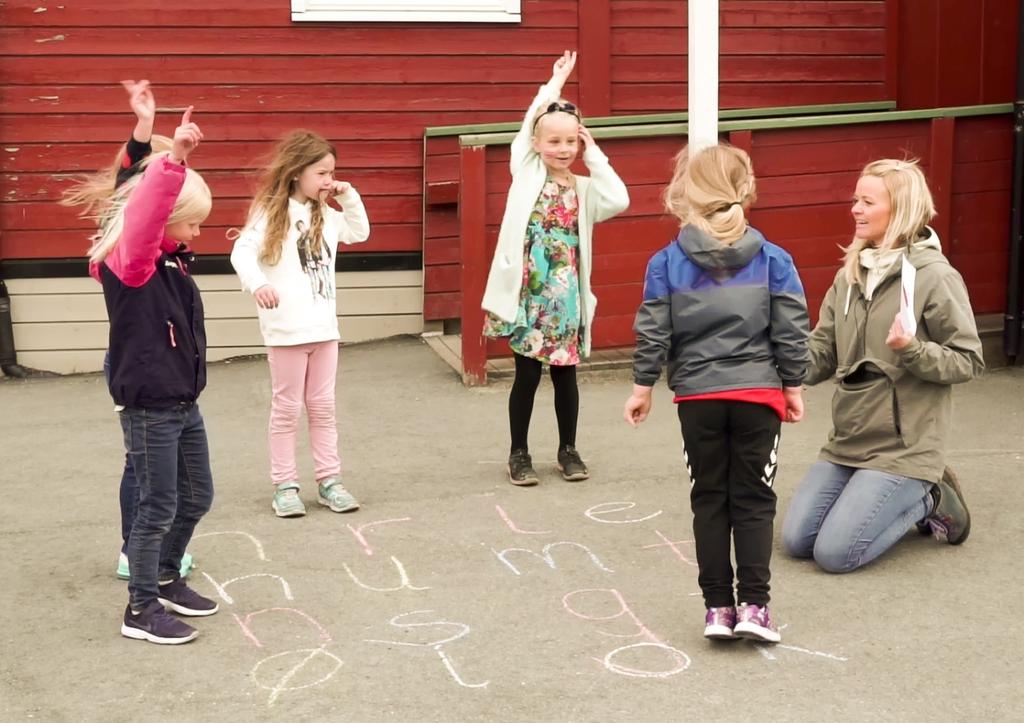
297,151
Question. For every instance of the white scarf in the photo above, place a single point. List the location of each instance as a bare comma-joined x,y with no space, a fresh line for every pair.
877,264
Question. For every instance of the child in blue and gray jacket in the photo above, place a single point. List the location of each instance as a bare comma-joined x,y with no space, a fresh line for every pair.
725,309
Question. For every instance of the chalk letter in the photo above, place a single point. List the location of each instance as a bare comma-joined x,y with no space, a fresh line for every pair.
545,556
596,510
403,579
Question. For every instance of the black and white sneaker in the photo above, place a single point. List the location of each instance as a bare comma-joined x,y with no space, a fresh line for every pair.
520,469
570,464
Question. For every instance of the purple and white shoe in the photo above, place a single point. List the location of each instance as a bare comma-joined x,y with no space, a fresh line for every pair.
156,625
183,600
719,623
755,623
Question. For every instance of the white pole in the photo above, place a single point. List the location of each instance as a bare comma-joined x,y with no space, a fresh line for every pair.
702,82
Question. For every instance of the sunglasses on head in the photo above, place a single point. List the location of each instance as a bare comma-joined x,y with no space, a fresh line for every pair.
558,108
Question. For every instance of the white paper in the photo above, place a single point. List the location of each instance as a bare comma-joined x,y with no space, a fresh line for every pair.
908,277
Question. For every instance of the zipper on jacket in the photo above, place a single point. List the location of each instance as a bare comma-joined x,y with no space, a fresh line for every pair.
170,333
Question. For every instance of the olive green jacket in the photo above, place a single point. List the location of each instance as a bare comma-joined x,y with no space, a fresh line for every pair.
891,410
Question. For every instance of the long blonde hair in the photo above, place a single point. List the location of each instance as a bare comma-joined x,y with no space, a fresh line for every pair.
712,191
296,152
911,208
193,204
94,191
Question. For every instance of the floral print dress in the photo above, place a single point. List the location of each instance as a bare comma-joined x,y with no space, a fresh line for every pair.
547,325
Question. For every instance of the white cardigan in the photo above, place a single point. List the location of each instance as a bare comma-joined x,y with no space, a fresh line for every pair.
600,197
308,308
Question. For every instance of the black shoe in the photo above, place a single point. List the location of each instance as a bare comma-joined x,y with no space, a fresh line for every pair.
180,598
520,469
571,465
950,520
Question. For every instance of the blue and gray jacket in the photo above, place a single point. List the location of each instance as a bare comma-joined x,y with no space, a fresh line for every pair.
723,316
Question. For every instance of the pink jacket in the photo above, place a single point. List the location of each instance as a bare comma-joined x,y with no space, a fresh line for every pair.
133,259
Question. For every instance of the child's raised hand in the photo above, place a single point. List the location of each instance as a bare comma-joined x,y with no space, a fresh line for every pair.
564,65
186,137
140,98
638,406
266,297
588,140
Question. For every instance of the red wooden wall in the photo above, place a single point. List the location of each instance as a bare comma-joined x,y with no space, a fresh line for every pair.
979,218
772,53
253,75
373,88
956,52
806,178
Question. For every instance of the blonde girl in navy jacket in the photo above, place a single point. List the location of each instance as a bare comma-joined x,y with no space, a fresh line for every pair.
157,371
94,193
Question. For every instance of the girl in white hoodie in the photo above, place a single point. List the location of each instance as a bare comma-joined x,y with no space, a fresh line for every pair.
538,290
285,257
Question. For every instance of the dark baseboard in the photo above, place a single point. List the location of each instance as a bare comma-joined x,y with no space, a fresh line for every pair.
210,264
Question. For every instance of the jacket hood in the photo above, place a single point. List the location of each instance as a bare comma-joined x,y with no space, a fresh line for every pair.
713,255
926,250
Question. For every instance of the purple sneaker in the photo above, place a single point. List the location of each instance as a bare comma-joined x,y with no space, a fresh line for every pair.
156,626
755,623
183,600
719,623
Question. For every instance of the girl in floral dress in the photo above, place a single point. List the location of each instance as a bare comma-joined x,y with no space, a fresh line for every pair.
538,290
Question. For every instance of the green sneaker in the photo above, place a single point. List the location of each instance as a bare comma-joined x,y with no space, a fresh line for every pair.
124,573
331,493
950,520
286,501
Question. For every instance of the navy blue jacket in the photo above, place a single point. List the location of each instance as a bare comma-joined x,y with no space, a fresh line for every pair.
157,340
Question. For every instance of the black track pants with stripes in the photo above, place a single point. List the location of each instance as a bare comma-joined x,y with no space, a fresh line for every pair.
731,453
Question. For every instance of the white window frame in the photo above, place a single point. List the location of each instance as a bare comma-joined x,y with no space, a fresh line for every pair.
405,11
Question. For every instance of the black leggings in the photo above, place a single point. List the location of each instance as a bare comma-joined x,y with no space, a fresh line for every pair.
524,389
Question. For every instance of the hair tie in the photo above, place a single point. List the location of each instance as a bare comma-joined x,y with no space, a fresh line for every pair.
724,208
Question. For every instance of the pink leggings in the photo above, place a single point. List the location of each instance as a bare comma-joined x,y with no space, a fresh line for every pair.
303,373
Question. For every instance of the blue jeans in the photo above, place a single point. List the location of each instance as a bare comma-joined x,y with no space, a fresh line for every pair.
129,495
845,517
170,456
129,492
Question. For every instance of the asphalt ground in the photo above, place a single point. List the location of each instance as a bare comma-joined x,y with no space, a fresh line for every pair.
427,604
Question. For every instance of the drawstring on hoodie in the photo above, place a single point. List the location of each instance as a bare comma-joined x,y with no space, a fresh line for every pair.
929,239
